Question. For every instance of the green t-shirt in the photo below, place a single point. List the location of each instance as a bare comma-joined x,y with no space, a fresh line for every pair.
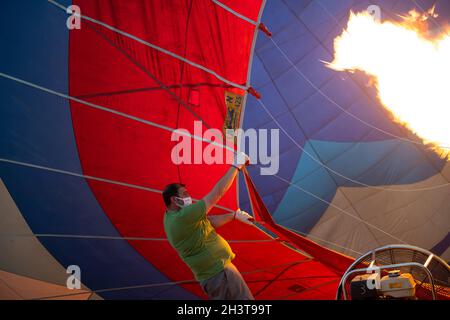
196,241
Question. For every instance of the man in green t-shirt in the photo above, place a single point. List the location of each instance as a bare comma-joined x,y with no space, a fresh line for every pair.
193,235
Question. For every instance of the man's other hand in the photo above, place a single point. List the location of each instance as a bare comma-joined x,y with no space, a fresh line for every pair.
244,217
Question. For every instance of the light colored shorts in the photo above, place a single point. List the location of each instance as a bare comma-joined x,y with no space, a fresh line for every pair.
227,285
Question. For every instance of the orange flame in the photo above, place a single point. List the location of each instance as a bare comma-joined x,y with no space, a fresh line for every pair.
409,66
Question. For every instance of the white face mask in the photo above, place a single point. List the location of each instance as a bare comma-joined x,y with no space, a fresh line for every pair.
186,201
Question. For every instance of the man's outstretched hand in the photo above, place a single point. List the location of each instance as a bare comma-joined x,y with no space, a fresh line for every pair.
241,160
244,217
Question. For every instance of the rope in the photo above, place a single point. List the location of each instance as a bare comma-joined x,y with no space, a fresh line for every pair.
88,177
97,237
235,13
148,44
122,114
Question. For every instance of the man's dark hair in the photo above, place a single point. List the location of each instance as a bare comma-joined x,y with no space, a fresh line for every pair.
171,190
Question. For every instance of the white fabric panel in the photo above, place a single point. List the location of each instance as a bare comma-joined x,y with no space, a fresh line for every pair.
420,218
24,255
26,288
6,293
447,254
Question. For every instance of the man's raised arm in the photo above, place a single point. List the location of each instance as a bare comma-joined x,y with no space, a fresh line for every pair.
224,183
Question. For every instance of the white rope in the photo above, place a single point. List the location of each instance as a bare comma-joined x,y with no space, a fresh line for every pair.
79,175
128,35
97,237
153,285
122,114
162,284
237,14
69,173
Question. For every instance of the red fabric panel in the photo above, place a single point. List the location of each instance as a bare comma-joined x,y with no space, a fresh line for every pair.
216,39
334,260
110,70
